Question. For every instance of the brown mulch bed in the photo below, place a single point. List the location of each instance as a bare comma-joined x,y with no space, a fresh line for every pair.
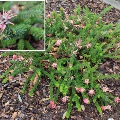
37,107
95,6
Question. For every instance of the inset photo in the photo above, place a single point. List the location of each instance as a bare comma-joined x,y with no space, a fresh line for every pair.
22,25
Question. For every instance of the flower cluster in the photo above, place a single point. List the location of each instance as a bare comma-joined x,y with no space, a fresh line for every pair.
80,90
86,100
10,78
86,81
58,42
91,92
117,99
5,19
108,107
65,99
53,105
54,65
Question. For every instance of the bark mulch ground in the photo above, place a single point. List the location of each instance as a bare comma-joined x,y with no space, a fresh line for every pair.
95,6
15,106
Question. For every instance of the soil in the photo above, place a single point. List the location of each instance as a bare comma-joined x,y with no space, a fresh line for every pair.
15,106
95,6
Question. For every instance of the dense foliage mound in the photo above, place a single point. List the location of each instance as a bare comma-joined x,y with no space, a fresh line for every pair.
75,47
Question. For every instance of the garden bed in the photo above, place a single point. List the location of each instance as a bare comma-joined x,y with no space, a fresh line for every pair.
38,107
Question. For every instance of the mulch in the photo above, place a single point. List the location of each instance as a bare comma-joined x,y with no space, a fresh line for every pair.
15,106
95,6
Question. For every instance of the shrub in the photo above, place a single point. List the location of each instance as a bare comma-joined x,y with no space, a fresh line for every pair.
75,47
28,28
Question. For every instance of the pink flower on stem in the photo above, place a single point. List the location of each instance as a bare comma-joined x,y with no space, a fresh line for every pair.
5,19
86,81
86,100
65,99
91,92
78,43
71,22
53,105
75,52
10,78
97,22
58,42
54,65
80,89
2,27
103,108
117,99
48,35
51,102
14,56
108,107
88,45
77,89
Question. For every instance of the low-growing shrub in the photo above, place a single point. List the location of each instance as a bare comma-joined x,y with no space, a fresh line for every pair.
75,47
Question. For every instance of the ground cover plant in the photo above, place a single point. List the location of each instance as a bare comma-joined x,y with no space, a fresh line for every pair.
76,46
22,25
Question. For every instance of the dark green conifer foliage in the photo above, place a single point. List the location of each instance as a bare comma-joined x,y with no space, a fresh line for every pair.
28,24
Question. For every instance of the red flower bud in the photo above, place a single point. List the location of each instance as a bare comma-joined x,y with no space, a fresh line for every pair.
14,56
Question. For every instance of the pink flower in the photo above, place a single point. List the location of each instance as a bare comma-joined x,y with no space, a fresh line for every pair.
77,89
54,65
71,22
14,56
2,27
48,16
58,42
86,100
103,108
65,99
52,104
78,43
97,22
88,45
108,107
5,19
117,99
49,35
10,78
91,92
80,89
86,81
75,52
106,89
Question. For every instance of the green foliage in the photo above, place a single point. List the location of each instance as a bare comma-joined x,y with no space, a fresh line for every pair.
77,46
28,24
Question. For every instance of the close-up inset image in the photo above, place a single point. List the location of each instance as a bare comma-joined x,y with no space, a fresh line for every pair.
21,25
